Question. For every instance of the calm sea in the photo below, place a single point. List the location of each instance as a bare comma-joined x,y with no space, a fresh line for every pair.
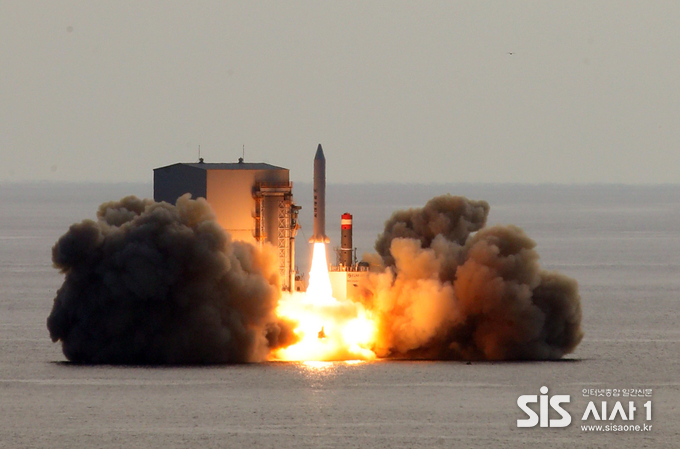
621,243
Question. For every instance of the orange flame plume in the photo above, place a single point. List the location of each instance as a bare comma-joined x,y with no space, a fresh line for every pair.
328,329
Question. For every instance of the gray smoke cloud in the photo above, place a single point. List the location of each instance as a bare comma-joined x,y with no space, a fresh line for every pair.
452,217
441,292
152,283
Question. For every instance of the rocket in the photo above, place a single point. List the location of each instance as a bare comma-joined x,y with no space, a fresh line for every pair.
319,198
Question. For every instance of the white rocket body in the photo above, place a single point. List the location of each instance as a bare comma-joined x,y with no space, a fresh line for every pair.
319,234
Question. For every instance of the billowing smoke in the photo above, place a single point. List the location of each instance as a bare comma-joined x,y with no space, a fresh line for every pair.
452,217
441,292
152,283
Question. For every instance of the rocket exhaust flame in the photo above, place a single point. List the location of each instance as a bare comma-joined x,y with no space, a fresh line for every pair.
327,329
319,291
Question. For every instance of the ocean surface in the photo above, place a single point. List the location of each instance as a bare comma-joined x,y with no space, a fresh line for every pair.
622,244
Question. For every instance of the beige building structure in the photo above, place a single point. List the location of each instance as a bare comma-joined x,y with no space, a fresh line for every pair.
252,201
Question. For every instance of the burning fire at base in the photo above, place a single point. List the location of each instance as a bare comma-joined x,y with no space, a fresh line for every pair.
328,329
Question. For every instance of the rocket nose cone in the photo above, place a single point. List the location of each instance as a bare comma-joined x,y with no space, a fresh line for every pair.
319,153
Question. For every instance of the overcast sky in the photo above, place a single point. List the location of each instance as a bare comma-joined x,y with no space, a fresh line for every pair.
419,92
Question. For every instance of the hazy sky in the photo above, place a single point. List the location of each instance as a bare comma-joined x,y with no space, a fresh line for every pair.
394,91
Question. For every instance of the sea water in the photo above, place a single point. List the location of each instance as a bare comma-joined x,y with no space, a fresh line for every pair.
622,244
